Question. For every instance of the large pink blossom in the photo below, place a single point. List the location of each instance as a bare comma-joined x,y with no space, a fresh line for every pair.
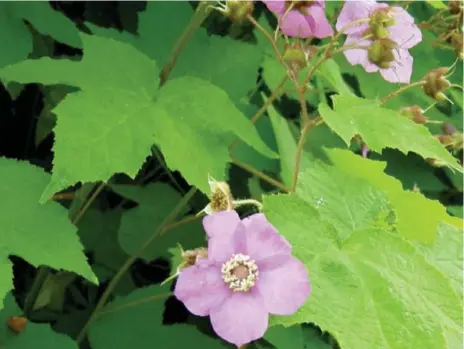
306,18
249,273
391,28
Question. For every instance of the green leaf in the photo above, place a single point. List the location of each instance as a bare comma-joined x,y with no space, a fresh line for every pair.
15,35
438,4
40,234
47,21
417,216
201,131
382,128
285,337
33,333
140,223
108,126
350,204
330,71
136,321
370,286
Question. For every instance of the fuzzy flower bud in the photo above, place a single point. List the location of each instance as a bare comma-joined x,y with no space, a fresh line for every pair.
295,56
455,6
221,197
448,128
414,113
237,11
381,53
436,83
191,257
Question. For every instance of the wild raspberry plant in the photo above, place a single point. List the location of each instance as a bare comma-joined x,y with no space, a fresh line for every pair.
232,174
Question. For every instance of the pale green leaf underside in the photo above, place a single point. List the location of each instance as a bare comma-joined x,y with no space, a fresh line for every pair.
34,335
135,321
41,234
371,288
382,128
417,217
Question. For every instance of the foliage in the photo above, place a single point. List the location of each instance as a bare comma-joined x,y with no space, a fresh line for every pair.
115,118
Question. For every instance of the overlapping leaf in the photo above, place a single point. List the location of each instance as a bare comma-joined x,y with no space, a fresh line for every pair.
370,287
382,128
41,234
417,217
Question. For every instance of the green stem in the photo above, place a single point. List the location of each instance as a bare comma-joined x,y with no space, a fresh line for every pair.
401,90
125,267
87,204
199,16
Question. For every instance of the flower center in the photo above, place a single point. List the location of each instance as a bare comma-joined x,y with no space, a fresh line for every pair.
240,273
300,6
381,53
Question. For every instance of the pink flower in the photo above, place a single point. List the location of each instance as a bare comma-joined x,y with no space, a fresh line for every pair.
249,274
304,20
383,38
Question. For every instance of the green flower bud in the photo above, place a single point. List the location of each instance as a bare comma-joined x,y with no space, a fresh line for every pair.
436,83
237,11
381,53
414,113
295,56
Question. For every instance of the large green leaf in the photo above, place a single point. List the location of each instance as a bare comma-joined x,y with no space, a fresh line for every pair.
33,334
201,131
382,128
156,201
417,216
41,234
370,288
136,321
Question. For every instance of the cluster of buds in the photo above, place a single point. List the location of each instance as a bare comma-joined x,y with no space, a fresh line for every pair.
237,10
381,52
451,137
414,113
436,83
455,7
379,22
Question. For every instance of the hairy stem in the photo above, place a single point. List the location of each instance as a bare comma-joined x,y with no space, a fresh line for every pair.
261,175
401,90
120,273
201,13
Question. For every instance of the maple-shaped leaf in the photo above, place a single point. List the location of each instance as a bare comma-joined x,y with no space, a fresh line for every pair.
382,128
370,287
110,125
40,234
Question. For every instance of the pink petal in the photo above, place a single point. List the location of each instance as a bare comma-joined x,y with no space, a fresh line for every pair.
241,318
352,11
284,289
295,24
276,6
221,223
357,55
200,287
404,32
401,69
263,240
322,28
222,247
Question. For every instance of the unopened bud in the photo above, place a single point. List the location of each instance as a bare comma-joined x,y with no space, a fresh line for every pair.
295,56
446,140
414,113
221,197
435,162
191,257
457,42
436,83
455,6
381,53
448,128
237,11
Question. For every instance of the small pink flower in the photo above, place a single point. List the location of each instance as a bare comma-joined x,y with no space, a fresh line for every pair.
249,274
306,19
383,24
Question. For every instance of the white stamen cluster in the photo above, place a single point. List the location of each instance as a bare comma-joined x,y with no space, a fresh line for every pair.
235,283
